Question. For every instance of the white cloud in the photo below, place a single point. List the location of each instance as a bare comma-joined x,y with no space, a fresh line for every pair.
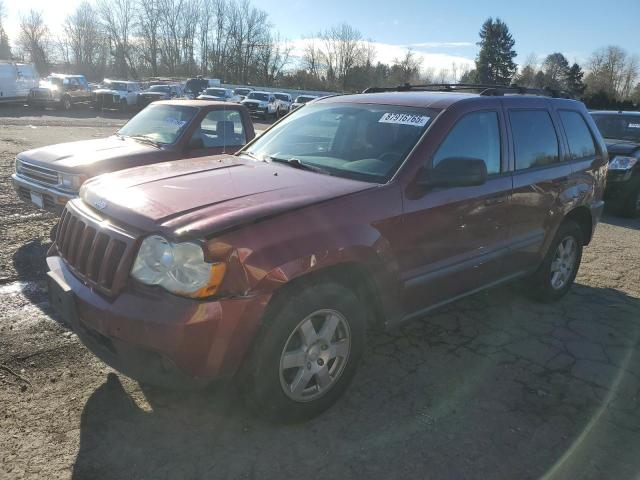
440,45
387,53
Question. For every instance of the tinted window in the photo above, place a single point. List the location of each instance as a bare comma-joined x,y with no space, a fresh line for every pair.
220,128
578,134
476,135
534,138
618,126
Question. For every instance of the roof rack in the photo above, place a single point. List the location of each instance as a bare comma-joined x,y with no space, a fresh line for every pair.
482,89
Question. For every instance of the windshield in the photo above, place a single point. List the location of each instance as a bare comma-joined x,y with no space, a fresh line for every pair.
242,91
302,99
115,86
282,96
215,92
618,127
160,88
258,96
160,123
195,85
360,141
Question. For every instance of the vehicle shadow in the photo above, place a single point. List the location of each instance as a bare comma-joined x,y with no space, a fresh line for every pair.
493,386
612,219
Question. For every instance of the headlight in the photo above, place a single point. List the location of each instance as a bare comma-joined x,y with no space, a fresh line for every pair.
18,165
263,105
622,163
179,268
70,181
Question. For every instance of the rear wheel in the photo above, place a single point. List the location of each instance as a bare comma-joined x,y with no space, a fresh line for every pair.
123,106
65,103
556,274
307,352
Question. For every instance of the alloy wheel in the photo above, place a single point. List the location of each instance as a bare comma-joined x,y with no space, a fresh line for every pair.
315,355
564,263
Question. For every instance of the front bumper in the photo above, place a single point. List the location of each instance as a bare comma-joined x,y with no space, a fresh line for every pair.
620,186
155,337
54,200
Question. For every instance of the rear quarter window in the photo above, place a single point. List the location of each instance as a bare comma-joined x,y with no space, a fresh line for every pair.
534,139
579,136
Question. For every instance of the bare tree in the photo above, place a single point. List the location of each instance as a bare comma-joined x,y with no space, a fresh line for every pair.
343,49
612,71
83,41
5,49
148,30
406,69
272,57
118,21
34,40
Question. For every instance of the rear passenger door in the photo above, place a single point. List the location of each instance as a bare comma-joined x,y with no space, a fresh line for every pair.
541,181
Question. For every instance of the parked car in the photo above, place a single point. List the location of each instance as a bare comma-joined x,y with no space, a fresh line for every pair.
194,86
220,94
263,104
301,100
116,94
285,101
242,92
165,130
621,132
157,92
354,212
16,81
61,91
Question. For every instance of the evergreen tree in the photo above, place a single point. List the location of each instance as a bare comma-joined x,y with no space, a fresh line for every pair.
574,83
495,64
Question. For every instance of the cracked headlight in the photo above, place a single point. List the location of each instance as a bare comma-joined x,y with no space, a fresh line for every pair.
70,181
179,268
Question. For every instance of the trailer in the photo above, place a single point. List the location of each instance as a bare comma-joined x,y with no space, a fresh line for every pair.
16,80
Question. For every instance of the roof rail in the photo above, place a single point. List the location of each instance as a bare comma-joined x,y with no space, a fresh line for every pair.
482,89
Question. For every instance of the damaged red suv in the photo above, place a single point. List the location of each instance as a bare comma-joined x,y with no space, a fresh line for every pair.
353,212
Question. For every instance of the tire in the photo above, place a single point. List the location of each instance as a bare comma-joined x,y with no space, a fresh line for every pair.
558,270
65,104
123,107
332,358
631,207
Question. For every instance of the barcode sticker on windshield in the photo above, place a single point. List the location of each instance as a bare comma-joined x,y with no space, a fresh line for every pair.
404,119
634,125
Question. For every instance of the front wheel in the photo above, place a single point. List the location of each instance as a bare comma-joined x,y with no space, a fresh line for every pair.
123,106
65,104
306,353
556,274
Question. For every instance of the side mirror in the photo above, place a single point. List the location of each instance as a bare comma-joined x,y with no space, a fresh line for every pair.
454,172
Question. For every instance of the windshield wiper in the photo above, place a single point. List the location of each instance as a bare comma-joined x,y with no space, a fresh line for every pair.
296,163
146,139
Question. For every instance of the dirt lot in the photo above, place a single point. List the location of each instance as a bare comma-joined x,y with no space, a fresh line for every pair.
492,387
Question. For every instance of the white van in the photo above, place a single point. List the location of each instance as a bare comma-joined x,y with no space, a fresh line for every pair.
16,80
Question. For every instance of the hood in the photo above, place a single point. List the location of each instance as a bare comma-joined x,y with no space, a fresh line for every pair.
107,90
251,100
154,94
621,147
200,197
86,155
212,97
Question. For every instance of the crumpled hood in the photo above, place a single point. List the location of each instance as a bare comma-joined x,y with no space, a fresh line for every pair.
621,147
83,156
200,197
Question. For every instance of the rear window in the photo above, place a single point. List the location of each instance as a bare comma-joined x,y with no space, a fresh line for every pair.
618,126
258,96
581,142
534,138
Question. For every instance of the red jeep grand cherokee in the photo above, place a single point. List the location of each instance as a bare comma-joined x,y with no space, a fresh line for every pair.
352,212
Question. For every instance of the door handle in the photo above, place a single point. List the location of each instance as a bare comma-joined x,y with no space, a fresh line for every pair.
495,201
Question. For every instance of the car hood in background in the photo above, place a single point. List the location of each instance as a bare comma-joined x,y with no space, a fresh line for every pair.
621,147
108,91
200,197
84,156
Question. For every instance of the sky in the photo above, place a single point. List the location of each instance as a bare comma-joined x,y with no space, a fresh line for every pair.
440,32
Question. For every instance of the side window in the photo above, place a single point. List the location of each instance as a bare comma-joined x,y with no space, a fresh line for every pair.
581,142
220,128
534,138
476,135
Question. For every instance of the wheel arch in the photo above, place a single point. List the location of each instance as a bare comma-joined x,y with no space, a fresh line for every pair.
582,216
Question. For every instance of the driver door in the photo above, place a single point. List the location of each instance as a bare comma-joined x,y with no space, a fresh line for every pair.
454,239
220,131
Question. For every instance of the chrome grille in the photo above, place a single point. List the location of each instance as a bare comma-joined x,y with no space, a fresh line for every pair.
96,253
39,174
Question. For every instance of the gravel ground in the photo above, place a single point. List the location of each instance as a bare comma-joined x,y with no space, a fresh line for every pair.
494,386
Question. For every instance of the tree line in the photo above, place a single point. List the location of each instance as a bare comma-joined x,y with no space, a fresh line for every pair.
236,42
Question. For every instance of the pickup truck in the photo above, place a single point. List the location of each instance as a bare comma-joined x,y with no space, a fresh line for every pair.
166,130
